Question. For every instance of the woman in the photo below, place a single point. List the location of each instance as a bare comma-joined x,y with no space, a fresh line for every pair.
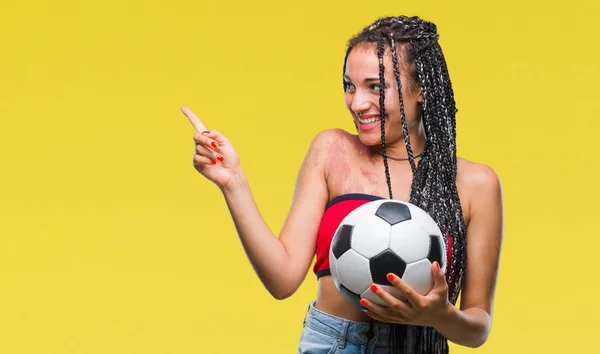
405,149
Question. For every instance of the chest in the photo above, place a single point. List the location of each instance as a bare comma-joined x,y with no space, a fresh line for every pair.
367,176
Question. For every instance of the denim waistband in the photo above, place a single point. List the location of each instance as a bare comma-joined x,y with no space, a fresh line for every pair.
346,330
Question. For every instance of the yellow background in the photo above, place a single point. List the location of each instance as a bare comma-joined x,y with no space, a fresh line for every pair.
110,242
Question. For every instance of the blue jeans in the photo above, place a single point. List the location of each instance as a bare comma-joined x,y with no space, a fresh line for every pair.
327,334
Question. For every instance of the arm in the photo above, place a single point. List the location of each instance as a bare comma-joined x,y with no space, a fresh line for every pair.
471,325
281,263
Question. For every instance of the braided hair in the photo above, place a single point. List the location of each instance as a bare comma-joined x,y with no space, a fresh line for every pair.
434,178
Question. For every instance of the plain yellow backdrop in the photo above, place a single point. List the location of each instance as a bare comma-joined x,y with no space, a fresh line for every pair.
110,242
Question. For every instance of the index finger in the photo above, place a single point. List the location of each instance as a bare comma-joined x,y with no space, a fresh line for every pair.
193,119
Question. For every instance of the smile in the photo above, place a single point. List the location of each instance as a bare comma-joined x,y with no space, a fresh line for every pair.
368,121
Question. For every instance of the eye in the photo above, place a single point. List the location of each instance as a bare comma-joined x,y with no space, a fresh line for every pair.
375,87
348,86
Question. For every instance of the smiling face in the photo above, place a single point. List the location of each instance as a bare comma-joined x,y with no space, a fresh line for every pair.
362,87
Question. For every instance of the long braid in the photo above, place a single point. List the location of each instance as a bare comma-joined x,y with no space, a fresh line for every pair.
380,53
434,179
441,126
411,158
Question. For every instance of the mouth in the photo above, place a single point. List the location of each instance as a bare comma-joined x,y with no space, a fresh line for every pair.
369,119
368,122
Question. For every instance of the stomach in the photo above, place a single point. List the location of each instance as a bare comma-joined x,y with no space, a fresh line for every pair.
332,302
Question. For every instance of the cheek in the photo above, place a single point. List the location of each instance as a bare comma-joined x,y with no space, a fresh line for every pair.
348,101
392,103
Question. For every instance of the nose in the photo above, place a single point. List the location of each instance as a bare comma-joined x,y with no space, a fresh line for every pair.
360,102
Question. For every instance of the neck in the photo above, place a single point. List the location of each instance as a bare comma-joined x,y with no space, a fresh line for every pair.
397,149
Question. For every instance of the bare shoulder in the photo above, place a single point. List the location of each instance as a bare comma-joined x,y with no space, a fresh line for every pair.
331,136
477,176
480,185
329,144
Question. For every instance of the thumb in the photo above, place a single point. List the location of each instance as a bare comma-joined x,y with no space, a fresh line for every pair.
223,147
218,137
439,277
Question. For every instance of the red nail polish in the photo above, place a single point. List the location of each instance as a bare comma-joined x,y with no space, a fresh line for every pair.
390,277
220,158
437,264
373,288
363,302
213,144
213,162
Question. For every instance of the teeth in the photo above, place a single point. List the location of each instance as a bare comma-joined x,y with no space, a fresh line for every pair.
368,121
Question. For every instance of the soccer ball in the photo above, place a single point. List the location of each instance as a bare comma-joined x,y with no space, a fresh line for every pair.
381,237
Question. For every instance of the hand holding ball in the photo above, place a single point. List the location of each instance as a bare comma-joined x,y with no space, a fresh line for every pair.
382,237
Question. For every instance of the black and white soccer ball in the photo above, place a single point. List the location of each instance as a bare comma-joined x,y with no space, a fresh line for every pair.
381,237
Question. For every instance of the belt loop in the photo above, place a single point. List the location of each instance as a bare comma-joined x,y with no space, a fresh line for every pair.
306,315
343,334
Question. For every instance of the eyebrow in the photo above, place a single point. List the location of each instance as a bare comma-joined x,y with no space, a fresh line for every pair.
368,79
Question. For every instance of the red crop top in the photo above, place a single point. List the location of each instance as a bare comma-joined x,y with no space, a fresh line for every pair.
336,210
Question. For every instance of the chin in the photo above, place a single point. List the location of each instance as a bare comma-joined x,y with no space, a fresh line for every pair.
370,138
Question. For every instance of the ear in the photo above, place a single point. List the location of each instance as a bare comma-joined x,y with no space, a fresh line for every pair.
420,96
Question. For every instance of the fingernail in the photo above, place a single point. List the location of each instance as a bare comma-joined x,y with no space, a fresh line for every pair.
390,277
213,144
436,264
363,302
205,132
213,162
220,158
373,287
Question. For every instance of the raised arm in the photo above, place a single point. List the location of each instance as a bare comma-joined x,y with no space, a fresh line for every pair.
281,262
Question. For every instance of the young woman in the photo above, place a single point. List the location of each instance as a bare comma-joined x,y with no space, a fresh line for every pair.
400,97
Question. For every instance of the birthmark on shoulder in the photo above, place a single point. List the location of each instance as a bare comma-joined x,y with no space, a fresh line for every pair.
342,170
371,175
337,160
316,155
